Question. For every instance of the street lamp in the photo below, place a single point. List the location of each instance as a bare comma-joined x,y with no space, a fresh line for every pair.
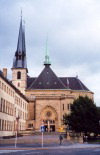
17,126
17,123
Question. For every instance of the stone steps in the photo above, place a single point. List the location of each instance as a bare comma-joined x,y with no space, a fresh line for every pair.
26,132
31,132
47,133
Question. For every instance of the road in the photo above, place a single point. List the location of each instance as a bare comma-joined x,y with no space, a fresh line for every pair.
59,151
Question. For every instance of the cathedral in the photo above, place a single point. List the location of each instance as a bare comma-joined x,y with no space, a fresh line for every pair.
48,96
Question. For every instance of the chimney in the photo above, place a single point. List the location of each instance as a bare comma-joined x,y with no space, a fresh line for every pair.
5,72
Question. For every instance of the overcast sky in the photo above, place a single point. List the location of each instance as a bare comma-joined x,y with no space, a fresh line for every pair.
73,28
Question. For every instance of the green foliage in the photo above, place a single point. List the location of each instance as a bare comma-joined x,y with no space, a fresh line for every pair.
84,116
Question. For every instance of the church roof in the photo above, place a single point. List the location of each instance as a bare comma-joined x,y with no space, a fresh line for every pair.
30,80
73,83
49,80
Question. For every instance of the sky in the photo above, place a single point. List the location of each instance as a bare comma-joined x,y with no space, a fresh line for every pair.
73,30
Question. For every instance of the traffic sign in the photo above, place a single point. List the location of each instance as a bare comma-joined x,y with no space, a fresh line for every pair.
42,128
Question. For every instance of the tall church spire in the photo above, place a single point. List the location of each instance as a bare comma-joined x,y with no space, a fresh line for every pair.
47,61
20,54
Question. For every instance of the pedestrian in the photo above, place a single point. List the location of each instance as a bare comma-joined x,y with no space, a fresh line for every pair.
60,139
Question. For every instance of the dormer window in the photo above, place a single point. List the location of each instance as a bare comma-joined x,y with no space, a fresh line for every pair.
40,83
55,83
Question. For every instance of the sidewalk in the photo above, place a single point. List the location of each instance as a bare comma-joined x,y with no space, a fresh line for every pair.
34,143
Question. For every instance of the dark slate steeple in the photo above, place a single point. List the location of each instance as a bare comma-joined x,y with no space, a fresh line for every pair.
20,54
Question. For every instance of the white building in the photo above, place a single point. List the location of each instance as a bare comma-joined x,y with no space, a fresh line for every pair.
13,107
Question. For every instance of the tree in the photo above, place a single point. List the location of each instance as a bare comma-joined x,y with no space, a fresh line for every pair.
84,116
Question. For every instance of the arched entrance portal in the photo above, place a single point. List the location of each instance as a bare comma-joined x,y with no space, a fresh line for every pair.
49,118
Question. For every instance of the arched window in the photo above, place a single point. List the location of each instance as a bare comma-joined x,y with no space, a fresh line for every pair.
18,75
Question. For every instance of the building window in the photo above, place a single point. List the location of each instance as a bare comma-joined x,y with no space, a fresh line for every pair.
18,75
2,85
7,89
18,84
69,107
30,125
0,124
63,106
1,105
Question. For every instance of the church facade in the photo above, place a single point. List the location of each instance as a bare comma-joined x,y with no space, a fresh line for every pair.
49,96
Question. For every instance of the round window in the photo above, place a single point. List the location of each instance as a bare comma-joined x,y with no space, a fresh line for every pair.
48,113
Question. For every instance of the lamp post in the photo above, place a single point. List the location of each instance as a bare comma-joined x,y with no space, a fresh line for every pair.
48,125
17,125
42,130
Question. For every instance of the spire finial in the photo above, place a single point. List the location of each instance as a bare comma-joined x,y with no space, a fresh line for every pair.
21,13
46,49
77,75
47,61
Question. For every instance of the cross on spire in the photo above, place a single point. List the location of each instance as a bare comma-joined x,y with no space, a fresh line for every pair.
21,13
47,61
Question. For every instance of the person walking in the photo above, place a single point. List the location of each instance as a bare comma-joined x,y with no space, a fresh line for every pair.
60,139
